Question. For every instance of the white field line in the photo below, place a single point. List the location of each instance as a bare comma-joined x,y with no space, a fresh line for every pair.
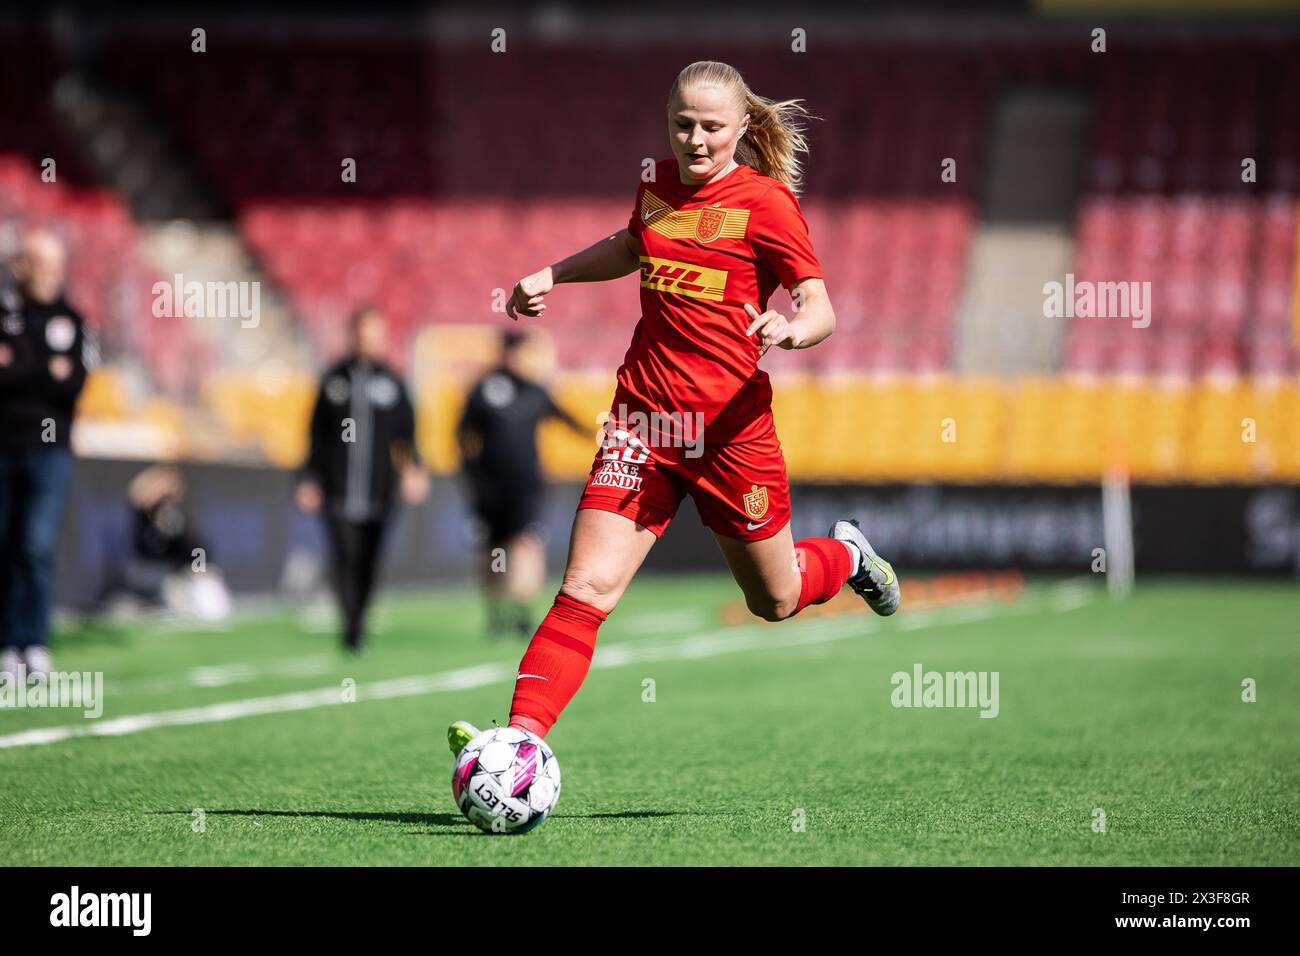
710,644
235,672
656,622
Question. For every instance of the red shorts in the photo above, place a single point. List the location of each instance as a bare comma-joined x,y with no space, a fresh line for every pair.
740,488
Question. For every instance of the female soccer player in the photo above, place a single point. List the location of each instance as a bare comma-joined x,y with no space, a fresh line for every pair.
712,237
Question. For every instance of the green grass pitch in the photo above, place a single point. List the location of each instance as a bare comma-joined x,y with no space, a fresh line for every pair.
763,744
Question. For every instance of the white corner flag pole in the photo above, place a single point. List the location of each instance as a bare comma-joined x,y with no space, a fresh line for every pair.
1117,520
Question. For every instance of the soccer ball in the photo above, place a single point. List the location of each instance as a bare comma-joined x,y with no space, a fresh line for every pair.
506,780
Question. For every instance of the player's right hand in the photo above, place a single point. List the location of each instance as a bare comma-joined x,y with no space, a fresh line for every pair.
414,485
527,296
60,367
308,497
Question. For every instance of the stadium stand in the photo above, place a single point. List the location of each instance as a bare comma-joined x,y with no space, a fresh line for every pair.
445,211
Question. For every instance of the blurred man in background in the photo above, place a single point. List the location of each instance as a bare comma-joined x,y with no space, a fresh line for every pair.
362,452
43,360
497,434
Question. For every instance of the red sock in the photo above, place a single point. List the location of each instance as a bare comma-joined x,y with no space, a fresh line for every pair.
824,565
555,664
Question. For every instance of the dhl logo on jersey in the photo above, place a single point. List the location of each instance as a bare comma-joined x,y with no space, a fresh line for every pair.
702,225
669,275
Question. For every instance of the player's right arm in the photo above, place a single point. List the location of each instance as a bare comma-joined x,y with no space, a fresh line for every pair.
469,435
611,258
308,493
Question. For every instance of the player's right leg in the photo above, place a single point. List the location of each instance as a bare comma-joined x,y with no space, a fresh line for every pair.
605,551
345,548
628,502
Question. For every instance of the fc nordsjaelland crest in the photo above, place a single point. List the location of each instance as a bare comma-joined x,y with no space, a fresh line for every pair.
756,502
710,225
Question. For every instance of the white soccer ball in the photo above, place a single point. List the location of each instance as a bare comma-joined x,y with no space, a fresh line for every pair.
506,780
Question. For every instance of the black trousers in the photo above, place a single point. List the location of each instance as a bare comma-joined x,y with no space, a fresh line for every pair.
355,547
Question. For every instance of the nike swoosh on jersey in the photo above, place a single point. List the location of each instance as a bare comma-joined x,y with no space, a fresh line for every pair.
754,527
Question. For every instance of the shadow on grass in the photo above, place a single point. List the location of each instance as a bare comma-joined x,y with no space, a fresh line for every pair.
455,824
621,815
429,819
627,815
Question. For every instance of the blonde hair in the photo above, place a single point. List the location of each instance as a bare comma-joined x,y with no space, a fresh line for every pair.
774,139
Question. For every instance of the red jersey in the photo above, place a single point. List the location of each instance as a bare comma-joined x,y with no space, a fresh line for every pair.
705,251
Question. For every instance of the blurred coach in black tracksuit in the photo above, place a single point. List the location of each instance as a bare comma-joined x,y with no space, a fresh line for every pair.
497,434
44,352
362,450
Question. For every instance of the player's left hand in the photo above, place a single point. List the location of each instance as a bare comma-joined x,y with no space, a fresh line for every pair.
415,485
773,328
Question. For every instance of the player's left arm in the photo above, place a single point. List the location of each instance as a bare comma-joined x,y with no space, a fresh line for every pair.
414,480
781,241
407,452
469,430
67,370
812,322
553,410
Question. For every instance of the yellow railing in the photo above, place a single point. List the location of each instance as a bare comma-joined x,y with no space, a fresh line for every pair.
911,429
870,429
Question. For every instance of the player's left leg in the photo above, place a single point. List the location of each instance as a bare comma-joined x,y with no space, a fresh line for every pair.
524,578
370,546
780,577
766,572
493,511
48,477
11,658
348,546
742,493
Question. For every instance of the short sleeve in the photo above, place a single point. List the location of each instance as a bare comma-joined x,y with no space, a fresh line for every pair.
635,225
779,237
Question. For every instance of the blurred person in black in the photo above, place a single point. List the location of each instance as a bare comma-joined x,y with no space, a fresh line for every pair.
168,563
497,435
362,456
44,353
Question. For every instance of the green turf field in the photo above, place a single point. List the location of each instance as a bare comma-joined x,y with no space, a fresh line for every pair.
1133,708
